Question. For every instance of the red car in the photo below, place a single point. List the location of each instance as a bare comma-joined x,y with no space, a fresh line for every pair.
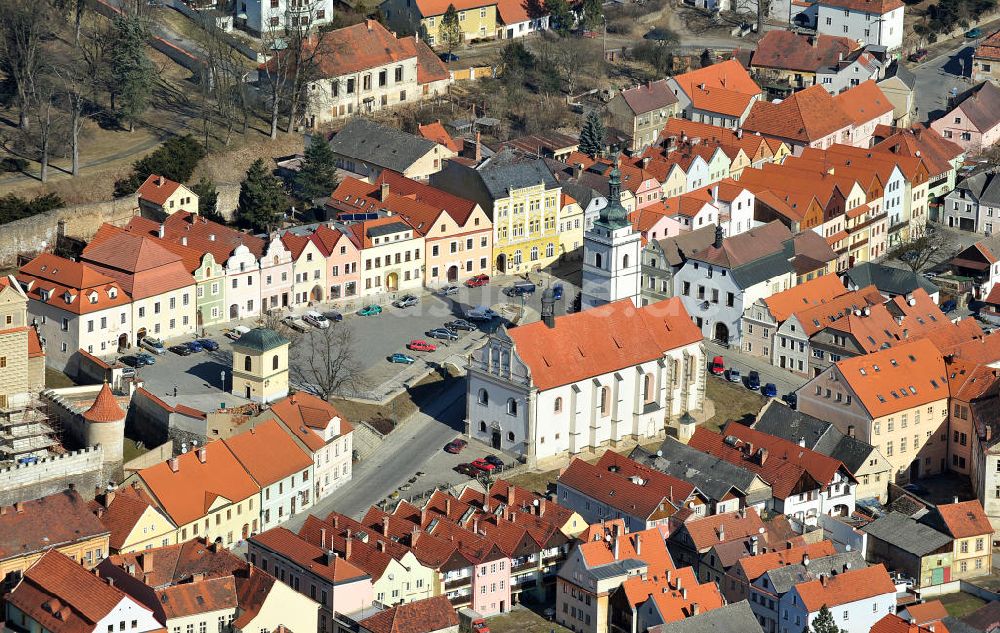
718,367
421,346
477,281
479,626
455,446
483,465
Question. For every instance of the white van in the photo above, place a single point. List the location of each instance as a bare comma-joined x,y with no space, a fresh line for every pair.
237,332
316,319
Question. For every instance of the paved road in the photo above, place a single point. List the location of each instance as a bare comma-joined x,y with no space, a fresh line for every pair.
936,78
786,382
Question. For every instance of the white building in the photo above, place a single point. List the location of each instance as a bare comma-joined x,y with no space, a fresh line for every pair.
857,599
611,254
268,16
560,386
392,254
879,23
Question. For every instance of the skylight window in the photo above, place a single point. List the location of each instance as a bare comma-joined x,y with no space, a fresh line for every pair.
913,358
893,362
934,383
875,367
863,372
880,398
913,390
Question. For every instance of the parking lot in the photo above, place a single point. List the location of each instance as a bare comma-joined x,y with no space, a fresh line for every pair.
375,339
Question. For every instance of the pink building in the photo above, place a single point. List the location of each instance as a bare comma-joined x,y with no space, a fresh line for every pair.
491,586
643,185
653,223
974,120
342,260
275,275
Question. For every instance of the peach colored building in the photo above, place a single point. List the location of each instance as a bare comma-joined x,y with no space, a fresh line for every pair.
342,260
973,122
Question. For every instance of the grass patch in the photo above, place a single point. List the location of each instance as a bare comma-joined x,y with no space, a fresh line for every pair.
55,379
131,450
961,604
732,402
524,620
535,481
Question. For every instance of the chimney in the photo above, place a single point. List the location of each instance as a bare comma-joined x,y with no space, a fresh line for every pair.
160,181
380,545
718,236
423,515
447,506
479,147
695,609
814,41
174,464
802,442
385,525
347,545
100,512
954,499
383,191
160,232
805,560
850,430
577,170
715,195
645,161
638,544
109,497
322,538
722,532
475,525
541,507
668,576
111,581
615,541
184,240
753,545
202,454
823,579
762,455
336,521
370,25
684,593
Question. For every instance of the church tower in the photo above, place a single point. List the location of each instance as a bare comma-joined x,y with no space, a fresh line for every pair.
611,252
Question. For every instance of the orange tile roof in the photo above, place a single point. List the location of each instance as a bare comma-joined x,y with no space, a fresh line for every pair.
756,566
936,151
725,88
308,556
187,495
420,616
142,267
863,103
908,375
849,586
598,546
179,563
56,276
302,409
438,7
930,611
513,11
203,596
805,116
580,347
787,50
35,349
826,314
252,589
434,131
120,511
989,47
677,604
813,292
892,623
157,189
268,453
723,528
210,237
965,519
105,407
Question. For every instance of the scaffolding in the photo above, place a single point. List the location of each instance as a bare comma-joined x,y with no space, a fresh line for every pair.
28,433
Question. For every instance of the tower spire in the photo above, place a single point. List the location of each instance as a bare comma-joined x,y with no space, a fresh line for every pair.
614,216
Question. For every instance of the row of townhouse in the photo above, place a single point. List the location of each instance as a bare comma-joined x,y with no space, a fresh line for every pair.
478,549
292,454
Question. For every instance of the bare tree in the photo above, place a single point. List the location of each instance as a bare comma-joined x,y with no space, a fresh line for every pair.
24,28
47,117
327,361
305,44
276,73
916,254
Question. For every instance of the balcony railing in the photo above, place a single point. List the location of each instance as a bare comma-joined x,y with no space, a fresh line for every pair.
460,600
456,583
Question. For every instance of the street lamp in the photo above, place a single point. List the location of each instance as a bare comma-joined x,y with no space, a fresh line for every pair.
604,17
223,380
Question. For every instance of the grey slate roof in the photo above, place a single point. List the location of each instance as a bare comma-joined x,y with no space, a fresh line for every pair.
499,179
893,281
907,534
370,142
823,437
676,249
713,476
758,270
984,186
981,105
732,618
784,578
261,339
898,70
954,625
616,569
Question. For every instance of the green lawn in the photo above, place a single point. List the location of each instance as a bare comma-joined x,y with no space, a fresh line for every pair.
732,402
961,604
55,379
523,620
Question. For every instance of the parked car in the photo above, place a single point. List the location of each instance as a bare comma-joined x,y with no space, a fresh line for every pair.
333,315
315,319
477,281
949,306
372,310
479,626
483,465
208,344
399,357
180,350
973,33
466,469
557,292
455,446
442,333
154,345
480,313
753,381
791,399
195,347
237,332
733,375
448,290
130,361
295,323
406,301
918,55
418,345
448,57
718,366
460,324
128,372
145,359
493,459
770,390
520,289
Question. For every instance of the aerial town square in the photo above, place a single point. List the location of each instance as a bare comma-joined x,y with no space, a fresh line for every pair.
499,316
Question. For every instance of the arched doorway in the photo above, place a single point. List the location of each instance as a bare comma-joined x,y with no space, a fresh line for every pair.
495,439
722,333
246,531
123,342
392,282
452,274
199,319
501,263
139,335
234,311
316,294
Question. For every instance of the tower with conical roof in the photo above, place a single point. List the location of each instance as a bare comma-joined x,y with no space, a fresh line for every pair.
611,252
104,424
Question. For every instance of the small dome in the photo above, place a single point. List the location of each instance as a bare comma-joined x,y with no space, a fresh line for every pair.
105,407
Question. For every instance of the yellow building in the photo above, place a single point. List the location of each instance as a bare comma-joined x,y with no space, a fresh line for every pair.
968,525
22,361
477,18
572,223
133,519
524,201
260,365
205,493
70,527
163,196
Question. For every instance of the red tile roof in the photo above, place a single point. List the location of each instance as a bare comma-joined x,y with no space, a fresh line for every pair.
105,407
648,97
186,495
120,512
813,292
34,344
252,588
725,88
302,411
863,103
926,612
756,566
438,7
907,375
268,453
786,50
965,519
706,532
180,563
849,586
308,556
434,131
203,596
892,623
580,347
421,616
599,545
142,267
804,117
157,189
676,601
56,276
51,521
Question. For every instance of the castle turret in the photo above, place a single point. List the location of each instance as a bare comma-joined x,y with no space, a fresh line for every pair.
105,425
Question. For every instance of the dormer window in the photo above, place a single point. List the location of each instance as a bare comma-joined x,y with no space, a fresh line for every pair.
113,293
92,297
67,297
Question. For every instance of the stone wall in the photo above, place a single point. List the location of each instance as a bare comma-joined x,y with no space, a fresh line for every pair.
229,198
48,476
152,457
40,232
